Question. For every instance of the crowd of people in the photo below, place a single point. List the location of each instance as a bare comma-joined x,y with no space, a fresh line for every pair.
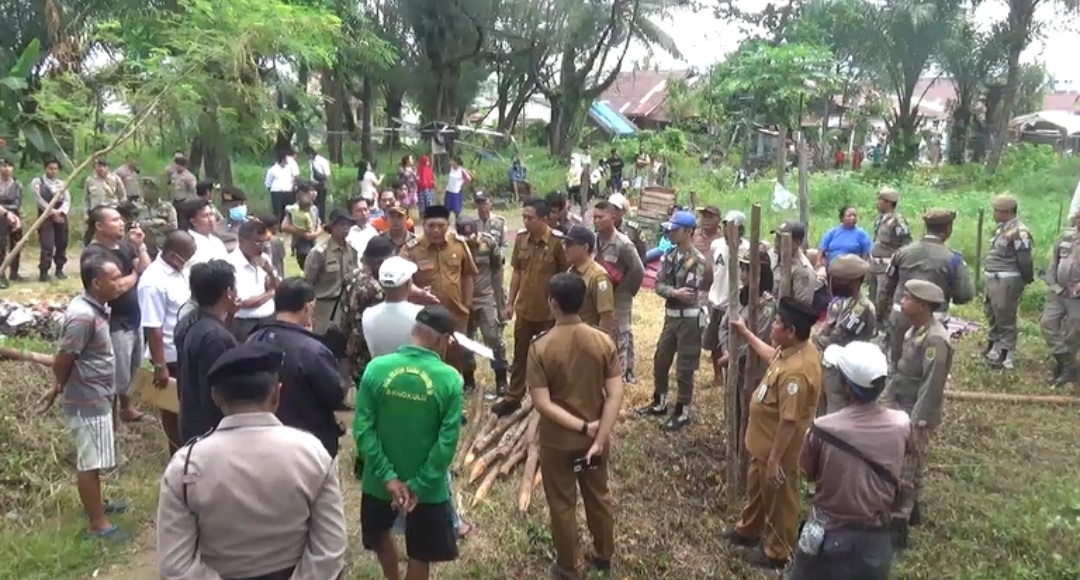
263,362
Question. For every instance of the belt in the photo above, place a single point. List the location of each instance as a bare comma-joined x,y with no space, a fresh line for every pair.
279,575
937,313
1000,275
874,527
682,313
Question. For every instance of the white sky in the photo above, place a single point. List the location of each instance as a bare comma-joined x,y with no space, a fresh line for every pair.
703,40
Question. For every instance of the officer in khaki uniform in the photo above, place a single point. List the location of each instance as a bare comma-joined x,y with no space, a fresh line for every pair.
781,409
917,383
1061,316
891,232
576,384
617,254
804,279
851,317
538,255
157,217
103,187
1009,268
931,260
495,225
398,232
680,283
599,307
629,227
487,290
183,182
325,269
445,265
226,512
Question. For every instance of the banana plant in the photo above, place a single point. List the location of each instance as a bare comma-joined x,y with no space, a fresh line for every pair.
18,129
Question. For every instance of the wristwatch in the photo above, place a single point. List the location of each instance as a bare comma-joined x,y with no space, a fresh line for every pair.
584,427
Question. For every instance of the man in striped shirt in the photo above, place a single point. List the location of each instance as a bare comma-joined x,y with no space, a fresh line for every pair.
83,371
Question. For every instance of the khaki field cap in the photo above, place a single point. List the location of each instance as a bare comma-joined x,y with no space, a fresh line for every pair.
1003,203
925,291
848,267
938,217
888,194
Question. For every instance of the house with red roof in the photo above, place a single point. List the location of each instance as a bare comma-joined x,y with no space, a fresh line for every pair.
640,95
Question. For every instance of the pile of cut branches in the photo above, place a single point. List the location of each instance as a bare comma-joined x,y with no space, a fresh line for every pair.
497,447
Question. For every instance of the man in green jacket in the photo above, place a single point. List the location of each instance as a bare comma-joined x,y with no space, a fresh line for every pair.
408,418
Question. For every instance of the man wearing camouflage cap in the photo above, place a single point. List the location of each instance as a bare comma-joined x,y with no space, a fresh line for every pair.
916,383
1009,268
851,317
891,232
1061,316
931,260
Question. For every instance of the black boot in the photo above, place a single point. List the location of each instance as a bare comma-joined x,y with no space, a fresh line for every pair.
680,418
1059,367
43,276
470,380
1068,372
658,407
500,383
915,519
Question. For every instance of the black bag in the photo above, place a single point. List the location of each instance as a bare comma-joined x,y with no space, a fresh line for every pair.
334,339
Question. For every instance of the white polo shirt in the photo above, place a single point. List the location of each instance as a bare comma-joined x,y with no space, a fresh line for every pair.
281,178
358,237
250,282
162,291
209,247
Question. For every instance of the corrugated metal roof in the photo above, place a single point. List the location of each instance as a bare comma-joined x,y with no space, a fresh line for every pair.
641,93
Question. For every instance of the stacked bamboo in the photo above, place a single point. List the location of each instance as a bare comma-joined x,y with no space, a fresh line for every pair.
497,447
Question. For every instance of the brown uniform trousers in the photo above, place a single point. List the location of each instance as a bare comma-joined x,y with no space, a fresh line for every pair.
573,361
535,261
789,392
443,267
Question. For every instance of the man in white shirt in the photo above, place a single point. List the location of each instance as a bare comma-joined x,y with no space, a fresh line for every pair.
163,289
256,281
389,324
362,231
197,218
720,256
320,176
281,183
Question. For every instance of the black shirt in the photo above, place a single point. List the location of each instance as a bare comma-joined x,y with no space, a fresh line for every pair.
615,165
125,313
200,340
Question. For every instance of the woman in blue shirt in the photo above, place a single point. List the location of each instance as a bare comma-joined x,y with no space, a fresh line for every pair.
846,238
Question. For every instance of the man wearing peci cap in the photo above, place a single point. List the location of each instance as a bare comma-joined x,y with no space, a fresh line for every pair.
719,255
916,384
1009,268
855,458
931,260
781,410
629,227
599,307
325,270
851,317
254,498
487,299
1060,321
891,232
445,265
679,282
405,469
619,257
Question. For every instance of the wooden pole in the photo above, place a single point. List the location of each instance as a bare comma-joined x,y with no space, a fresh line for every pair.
979,247
731,396
781,154
128,131
753,363
804,183
786,247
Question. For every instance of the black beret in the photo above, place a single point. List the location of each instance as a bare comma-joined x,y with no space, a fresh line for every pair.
797,311
338,215
379,248
436,212
580,235
437,318
245,359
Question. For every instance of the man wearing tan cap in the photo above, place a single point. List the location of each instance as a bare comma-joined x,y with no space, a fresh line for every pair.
1009,268
931,260
891,232
851,317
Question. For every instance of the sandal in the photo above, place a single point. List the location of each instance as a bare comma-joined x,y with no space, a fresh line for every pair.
110,534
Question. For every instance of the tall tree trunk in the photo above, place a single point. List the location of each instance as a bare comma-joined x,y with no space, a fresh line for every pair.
394,108
1005,107
961,126
367,95
332,108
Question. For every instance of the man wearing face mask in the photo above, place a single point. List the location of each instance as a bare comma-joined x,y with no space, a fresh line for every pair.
311,386
234,201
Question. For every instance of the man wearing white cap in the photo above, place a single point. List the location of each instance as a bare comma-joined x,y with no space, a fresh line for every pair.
629,227
856,458
388,325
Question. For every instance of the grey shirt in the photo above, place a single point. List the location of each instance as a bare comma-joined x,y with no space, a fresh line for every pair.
85,335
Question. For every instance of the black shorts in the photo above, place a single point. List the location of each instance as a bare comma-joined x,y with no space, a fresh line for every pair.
429,529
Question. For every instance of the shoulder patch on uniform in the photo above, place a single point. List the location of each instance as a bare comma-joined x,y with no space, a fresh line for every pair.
930,353
412,242
792,387
602,286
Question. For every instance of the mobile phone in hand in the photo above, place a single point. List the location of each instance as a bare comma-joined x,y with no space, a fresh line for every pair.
580,464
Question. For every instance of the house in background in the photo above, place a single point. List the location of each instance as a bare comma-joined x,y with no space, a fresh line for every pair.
640,95
1066,101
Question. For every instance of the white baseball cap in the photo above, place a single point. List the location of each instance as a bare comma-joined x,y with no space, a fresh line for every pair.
395,272
860,362
619,200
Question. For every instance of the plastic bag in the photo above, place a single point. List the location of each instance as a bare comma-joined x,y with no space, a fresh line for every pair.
782,199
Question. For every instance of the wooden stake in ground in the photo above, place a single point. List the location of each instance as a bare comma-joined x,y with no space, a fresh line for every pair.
124,135
979,247
753,363
731,397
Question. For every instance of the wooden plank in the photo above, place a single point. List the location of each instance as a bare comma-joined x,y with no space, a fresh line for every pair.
753,362
731,397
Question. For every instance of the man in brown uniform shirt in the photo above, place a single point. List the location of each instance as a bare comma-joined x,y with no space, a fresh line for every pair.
781,409
445,264
855,458
576,384
538,255
599,306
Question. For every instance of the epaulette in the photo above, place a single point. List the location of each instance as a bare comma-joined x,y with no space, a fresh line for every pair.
460,238
631,224
412,242
541,335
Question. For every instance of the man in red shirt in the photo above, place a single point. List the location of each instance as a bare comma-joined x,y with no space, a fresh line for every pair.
387,199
